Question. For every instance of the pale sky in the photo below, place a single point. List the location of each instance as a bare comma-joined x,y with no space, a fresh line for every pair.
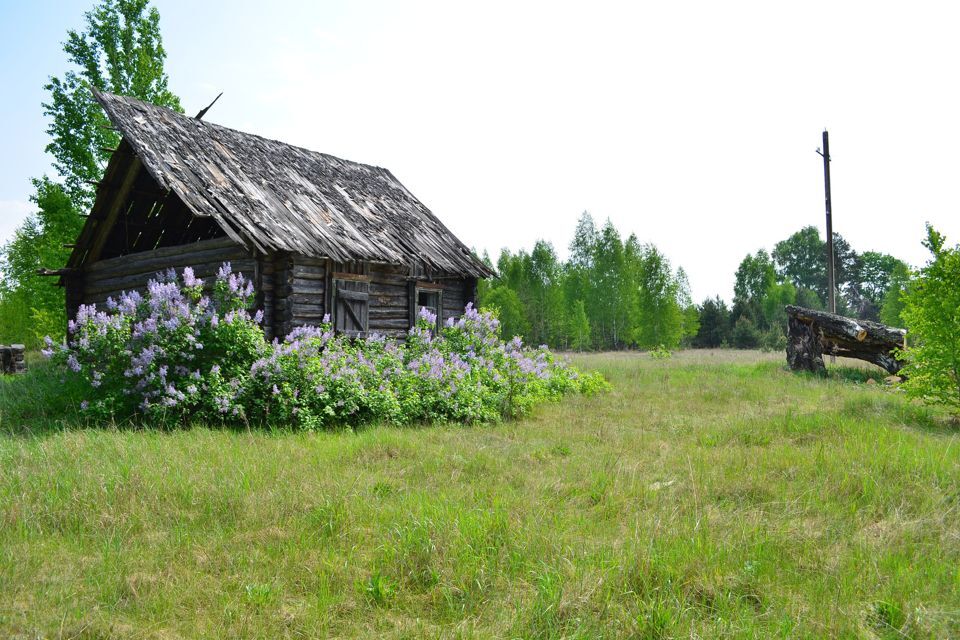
692,124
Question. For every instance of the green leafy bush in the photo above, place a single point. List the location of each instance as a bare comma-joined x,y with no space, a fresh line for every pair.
175,355
932,312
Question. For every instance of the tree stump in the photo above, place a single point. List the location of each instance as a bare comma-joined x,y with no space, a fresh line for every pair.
12,359
811,333
804,349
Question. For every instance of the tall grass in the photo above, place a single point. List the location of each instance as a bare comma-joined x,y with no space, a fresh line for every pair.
708,495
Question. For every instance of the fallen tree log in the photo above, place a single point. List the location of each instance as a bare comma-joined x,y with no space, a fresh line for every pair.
811,333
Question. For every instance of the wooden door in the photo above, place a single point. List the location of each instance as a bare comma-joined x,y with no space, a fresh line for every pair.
351,307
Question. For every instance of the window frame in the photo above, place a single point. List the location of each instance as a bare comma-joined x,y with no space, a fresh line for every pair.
430,288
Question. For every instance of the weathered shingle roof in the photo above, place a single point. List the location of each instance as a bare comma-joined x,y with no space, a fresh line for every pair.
278,197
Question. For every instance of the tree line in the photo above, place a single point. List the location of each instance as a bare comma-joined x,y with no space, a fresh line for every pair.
869,286
616,294
609,294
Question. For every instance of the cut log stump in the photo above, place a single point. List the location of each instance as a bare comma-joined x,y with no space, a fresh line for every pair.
811,333
12,359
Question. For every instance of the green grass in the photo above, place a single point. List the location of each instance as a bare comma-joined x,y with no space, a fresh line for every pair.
708,495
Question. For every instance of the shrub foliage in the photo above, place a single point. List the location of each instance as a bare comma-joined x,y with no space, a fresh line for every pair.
177,354
932,312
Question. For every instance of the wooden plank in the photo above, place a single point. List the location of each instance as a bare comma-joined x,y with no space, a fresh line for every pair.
357,277
309,287
346,294
206,245
207,272
309,271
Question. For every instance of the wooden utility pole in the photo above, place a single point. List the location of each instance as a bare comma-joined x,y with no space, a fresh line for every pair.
831,279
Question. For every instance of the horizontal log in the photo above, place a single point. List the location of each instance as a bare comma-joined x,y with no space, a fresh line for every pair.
355,277
299,285
389,313
309,272
205,251
312,312
379,288
838,327
305,298
811,333
382,325
207,272
385,302
310,261
56,272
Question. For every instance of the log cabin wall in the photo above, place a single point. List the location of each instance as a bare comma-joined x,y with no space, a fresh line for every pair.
110,277
292,290
282,316
313,284
307,279
389,303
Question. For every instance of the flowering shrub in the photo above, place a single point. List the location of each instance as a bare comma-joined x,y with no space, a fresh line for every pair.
176,354
169,355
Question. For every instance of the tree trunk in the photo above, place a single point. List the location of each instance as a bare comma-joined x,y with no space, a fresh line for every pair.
812,333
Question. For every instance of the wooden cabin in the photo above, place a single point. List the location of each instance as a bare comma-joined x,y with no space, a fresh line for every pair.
315,233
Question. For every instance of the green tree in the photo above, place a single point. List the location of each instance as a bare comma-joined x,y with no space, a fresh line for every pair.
778,296
579,327
609,297
873,279
30,306
744,334
578,284
933,314
119,51
894,300
546,295
691,315
801,260
658,320
754,278
714,326
505,302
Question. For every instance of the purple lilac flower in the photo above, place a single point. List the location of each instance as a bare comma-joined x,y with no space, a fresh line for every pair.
428,316
190,280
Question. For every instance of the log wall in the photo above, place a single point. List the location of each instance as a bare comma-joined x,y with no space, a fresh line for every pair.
293,290
109,278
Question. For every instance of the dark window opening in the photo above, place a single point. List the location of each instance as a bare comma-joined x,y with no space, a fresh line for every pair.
430,299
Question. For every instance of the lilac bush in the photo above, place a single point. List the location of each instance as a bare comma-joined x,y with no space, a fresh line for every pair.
171,354
176,354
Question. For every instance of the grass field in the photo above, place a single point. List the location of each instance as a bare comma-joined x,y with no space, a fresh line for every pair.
710,495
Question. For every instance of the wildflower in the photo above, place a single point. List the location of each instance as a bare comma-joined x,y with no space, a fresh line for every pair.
428,316
190,280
